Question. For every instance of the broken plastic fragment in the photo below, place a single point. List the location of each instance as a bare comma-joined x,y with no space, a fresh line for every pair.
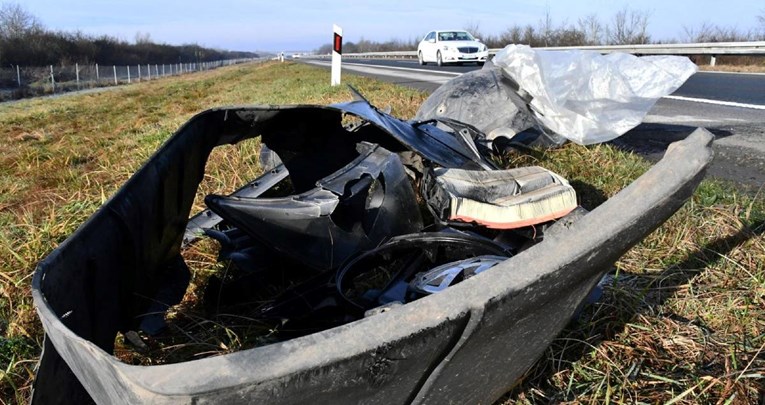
381,276
356,208
499,199
441,277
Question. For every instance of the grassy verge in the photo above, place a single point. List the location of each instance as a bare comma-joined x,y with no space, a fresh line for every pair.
683,319
734,68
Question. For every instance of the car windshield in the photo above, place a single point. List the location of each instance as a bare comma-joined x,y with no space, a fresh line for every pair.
455,36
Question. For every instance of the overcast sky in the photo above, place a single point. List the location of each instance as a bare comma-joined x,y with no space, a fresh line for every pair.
295,25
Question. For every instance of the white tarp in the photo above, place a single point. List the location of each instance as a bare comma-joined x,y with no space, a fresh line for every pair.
588,97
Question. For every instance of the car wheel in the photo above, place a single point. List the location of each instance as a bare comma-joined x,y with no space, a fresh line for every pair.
439,60
422,61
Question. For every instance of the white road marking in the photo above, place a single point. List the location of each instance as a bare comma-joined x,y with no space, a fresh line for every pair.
421,75
716,102
409,69
684,119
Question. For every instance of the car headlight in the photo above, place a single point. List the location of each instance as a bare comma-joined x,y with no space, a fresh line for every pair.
484,48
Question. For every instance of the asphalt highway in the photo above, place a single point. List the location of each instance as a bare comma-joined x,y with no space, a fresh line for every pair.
732,106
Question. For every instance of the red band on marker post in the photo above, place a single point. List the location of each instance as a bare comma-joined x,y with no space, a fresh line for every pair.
338,44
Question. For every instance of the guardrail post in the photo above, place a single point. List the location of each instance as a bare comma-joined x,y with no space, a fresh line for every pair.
77,74
115,74
712,60
148,71
139,72
337,52
18,75
128,68
98,76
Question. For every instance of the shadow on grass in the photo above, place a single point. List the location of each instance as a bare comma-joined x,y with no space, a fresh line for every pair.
590,197
596,325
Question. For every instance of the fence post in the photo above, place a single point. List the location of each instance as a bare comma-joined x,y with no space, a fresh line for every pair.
115,75
77,74
98,77
128,68
148,72
52,79
156,70
139,72
163,69
18,75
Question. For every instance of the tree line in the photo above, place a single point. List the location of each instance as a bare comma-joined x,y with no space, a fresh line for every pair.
626,27
25,41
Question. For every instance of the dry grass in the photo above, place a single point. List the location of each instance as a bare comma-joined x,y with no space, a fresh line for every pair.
62,158
683,319
682,322
734,68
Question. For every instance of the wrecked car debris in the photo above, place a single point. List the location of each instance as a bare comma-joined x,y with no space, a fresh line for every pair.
494,105
533,97
353,209
499,199
401,259
446,275
354,340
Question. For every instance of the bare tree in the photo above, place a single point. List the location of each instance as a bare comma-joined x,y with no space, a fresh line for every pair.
592,29
546,28
16,22
629,27
513,35
473,27
708,32
143,38
761,20
704,33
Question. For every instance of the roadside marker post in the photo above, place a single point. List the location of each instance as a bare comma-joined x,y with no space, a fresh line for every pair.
337,54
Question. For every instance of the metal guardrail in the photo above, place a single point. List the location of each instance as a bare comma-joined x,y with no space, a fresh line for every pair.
712,49
708,48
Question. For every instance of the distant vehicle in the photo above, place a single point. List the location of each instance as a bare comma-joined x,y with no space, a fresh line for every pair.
453,46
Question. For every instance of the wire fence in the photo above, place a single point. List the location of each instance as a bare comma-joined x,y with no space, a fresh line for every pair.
20,82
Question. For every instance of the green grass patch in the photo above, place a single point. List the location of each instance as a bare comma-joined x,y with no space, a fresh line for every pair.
682,321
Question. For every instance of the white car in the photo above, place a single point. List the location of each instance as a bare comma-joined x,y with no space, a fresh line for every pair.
452,46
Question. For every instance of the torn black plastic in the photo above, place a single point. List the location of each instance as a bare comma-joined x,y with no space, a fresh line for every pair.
398,260
492,103
356,208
